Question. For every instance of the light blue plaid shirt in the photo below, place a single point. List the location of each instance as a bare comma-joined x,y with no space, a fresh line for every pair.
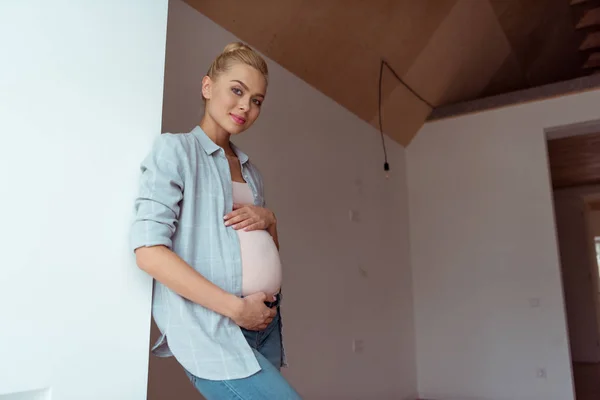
185,191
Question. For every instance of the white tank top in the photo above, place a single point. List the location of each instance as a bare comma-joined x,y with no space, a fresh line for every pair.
261,265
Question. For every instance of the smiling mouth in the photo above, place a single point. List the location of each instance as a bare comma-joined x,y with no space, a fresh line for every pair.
238,120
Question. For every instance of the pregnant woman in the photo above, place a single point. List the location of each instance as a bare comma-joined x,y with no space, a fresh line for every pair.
202,231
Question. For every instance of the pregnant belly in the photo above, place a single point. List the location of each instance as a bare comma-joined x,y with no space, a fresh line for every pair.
261,265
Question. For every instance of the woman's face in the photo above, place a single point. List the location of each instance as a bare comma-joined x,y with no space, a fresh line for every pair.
234,98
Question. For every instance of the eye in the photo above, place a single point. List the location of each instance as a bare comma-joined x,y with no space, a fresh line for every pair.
257,102
237,91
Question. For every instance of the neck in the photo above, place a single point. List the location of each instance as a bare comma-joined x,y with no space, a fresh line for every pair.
216,133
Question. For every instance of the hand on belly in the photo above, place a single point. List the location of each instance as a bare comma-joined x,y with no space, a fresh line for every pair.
253,314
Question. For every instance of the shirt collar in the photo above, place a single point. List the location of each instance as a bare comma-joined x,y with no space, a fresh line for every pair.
211,147
239,153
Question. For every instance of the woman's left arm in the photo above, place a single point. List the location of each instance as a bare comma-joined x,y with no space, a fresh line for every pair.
273,232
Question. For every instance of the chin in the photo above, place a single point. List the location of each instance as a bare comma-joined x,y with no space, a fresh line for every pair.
233,128
237,131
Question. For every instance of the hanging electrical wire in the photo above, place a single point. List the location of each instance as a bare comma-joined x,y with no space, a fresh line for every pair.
386,165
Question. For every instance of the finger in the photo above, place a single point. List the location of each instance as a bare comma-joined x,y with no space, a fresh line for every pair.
244,223
257,226
272,312
237,219
235,212
231,215
237,206
257,327
260,296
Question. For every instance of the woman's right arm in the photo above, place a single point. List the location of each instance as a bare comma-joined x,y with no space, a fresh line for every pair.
169,269
156,215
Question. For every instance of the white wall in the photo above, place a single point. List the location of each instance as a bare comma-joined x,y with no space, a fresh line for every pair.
319,161
576,262
483,248
80,101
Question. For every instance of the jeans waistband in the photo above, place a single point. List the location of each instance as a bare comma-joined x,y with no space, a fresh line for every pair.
274,303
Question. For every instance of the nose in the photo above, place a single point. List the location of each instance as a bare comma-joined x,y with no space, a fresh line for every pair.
244,106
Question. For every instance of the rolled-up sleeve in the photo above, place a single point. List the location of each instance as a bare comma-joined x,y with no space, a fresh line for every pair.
161,190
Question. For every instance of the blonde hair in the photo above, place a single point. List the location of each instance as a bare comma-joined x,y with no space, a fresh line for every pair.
237,52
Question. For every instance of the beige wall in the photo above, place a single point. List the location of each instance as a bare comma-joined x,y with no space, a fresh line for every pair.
576,262
319,161
484,253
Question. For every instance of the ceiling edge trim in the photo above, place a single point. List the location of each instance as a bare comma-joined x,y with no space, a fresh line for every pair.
559,89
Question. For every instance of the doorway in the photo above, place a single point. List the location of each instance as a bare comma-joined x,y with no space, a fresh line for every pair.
574,161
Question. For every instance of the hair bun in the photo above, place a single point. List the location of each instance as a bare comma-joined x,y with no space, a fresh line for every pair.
234,47
237,53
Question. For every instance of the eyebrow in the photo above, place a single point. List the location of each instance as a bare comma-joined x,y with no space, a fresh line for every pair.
246,87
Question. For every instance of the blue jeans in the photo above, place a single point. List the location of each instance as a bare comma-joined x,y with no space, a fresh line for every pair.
266,384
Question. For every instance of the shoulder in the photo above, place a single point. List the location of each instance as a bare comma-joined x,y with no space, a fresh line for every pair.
169,152
170,141
179,146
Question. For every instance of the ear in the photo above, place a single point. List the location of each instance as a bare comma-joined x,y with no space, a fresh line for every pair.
206,87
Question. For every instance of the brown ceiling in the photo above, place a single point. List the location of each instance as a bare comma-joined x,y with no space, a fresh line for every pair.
574,160
447,50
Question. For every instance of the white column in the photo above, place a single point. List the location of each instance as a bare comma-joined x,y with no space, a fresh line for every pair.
80,103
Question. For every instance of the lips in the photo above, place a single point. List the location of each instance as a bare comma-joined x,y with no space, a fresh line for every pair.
237,119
